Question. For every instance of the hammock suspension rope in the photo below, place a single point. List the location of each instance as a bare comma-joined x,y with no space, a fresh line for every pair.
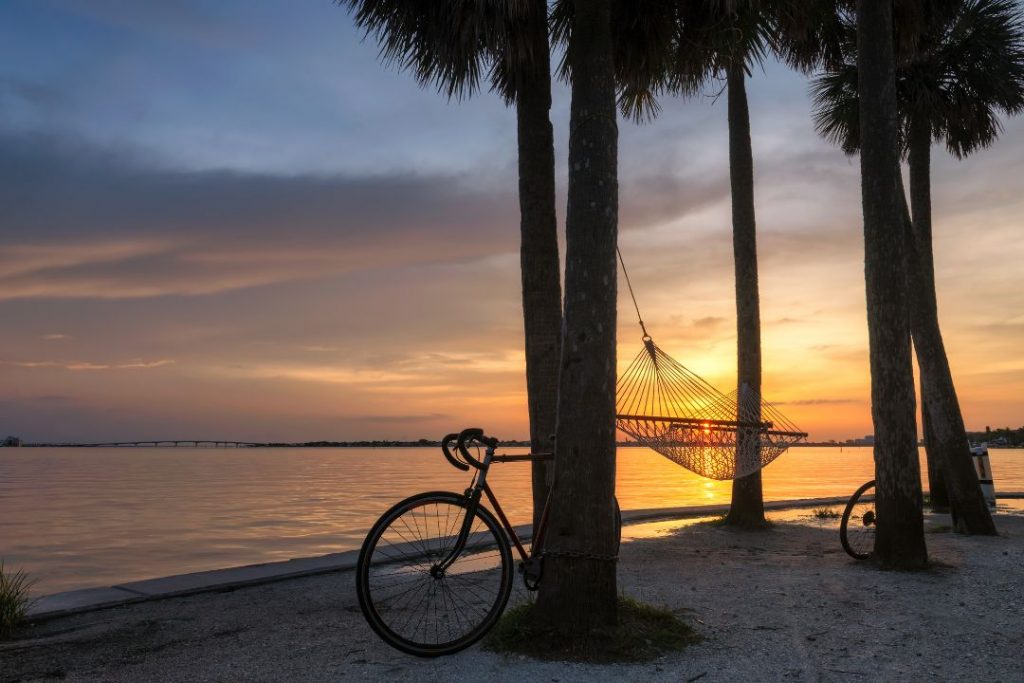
668,408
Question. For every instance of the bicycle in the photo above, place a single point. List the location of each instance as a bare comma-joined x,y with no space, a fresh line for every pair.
435,571
857,529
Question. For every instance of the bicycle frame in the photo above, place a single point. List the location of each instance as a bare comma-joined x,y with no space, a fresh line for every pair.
481,488
419,611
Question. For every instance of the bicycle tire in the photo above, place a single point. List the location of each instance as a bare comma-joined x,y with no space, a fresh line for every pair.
857,529
417,611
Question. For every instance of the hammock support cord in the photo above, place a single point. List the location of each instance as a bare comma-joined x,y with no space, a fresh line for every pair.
666,407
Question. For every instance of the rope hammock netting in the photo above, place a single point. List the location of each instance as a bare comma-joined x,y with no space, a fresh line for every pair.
671,410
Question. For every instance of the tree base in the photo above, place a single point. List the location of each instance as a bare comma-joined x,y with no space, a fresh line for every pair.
746,522
642,634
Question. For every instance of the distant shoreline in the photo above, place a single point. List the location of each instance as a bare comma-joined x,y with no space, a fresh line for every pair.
419,443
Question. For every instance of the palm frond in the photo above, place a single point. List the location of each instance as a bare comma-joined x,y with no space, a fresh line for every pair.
455,45
676,47
643,35
962,68
810,34
981,74
837,108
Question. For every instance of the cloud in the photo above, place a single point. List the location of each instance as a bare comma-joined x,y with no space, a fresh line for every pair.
52,399
819,402
193,21
77,365
82,222
17,91
392,419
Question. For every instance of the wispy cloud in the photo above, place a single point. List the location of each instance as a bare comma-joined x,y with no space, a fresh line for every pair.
820,402
76,365
125,229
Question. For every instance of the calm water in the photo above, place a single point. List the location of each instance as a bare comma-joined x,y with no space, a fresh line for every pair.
96,517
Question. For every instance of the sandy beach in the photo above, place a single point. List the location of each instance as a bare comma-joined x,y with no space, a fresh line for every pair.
781,605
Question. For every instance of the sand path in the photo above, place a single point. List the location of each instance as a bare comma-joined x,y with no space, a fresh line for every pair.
782,605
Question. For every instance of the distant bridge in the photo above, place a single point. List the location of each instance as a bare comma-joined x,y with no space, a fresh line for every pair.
166,443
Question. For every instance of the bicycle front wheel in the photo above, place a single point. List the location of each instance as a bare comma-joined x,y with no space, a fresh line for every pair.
857,530
414,604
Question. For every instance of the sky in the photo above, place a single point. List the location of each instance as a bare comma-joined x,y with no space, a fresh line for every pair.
228,220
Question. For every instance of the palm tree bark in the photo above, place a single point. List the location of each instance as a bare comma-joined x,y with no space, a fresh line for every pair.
899,540
747,507
947,444
539,263
937,493
921,206
579,589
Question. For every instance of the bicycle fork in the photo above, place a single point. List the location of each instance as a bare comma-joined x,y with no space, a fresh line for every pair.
473,495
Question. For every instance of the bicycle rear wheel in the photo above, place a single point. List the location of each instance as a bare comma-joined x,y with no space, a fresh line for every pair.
857,530
412,604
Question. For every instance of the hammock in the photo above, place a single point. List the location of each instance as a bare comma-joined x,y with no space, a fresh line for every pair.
674,412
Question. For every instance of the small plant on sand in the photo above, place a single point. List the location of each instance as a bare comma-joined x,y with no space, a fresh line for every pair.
643,633
826,513
14,599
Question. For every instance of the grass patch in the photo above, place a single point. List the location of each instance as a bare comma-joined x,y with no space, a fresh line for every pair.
643,633
14,600
827,513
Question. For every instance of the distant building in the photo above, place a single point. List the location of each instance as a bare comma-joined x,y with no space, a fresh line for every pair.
11,441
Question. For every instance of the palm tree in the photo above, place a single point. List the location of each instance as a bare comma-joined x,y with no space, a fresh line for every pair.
733,36
677,47
579,588
455,45
966,64
716,39
899,540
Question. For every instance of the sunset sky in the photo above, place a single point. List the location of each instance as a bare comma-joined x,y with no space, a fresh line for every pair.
227,220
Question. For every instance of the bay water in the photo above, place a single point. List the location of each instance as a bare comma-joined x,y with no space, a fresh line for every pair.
82,517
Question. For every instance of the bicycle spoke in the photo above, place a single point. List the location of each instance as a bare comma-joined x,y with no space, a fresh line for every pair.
409,599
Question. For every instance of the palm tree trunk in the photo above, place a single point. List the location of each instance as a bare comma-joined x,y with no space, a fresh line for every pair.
899,540
921,206
579,590
539,263
937,493
747,508
948,444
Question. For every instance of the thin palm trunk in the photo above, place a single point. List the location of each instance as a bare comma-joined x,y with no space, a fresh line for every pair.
747,508
899,540
921,206
937,493
579,588
948,445
539,263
